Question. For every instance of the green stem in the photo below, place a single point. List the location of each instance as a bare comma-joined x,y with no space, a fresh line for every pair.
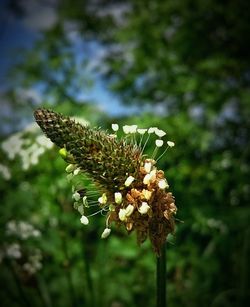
161,279
19,286
89,279
67,271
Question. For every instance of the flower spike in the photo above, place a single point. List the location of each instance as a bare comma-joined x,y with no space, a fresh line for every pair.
133,192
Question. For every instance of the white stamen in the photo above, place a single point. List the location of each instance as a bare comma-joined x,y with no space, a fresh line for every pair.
81,209
76,196
115,127
129,210
143,209
159,143
70,168
103,199
133,128
146,194
85,201
162,184
128,181
122,215
126,129
84,220
152,130
160,133
173,208
146,179
170,144
106,233
118,198
76,171
147,167
141,131
150,177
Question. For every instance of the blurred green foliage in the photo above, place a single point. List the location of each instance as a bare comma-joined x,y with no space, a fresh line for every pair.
187,60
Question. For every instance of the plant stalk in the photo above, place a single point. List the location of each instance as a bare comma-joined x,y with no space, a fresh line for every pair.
161,279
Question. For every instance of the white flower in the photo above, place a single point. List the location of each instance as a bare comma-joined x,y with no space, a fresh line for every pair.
106,233
115,127
76,196
141,131
152,130
70,168
128,181
170,144
147,167
84,220
150,177
162,184
129,210
143,209
146,194
159,143
118,198
103,199
160,133
122,215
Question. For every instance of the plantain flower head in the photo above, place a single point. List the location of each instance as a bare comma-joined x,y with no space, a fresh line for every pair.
133,191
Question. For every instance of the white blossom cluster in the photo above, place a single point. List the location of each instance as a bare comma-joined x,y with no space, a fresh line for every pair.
28,145
34,262
5,172
26,148
13,251
31,258
217,224
22,230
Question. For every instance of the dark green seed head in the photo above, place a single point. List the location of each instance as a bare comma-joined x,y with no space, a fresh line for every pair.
107,160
